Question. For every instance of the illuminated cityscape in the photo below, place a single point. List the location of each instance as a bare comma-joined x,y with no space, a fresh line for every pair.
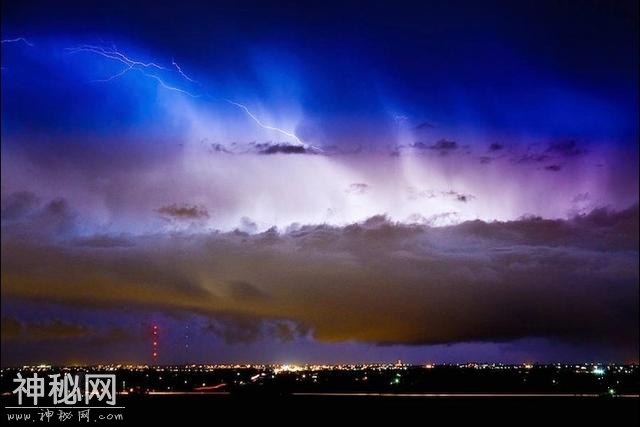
476,378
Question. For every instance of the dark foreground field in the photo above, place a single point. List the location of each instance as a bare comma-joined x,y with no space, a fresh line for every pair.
329,410
419,410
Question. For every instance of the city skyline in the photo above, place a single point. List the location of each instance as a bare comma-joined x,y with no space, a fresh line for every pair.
268,182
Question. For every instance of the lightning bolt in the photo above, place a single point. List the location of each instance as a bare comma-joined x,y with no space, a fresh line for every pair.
265,126
145,67
136,65
169,87
18,39
115,76
179,70
115,54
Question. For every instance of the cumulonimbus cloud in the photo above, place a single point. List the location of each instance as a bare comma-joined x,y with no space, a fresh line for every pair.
376,281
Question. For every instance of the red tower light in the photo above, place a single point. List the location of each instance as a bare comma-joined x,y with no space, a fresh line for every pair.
154,345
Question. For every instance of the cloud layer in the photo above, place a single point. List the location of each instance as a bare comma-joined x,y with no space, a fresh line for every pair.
138,188
375,282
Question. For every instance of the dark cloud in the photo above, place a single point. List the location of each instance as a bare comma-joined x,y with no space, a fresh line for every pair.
496,147
377,281
565,149
268,148
219,148
443,146
461,197
559,151
183,211
239,148
604,230
531,158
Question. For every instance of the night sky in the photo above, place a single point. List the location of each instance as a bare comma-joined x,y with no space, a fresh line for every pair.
273,181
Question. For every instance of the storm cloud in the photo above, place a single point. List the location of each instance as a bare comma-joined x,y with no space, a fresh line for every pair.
183,211
376,281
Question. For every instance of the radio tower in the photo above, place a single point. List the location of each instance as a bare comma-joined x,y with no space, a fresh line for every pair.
186,344
154,345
